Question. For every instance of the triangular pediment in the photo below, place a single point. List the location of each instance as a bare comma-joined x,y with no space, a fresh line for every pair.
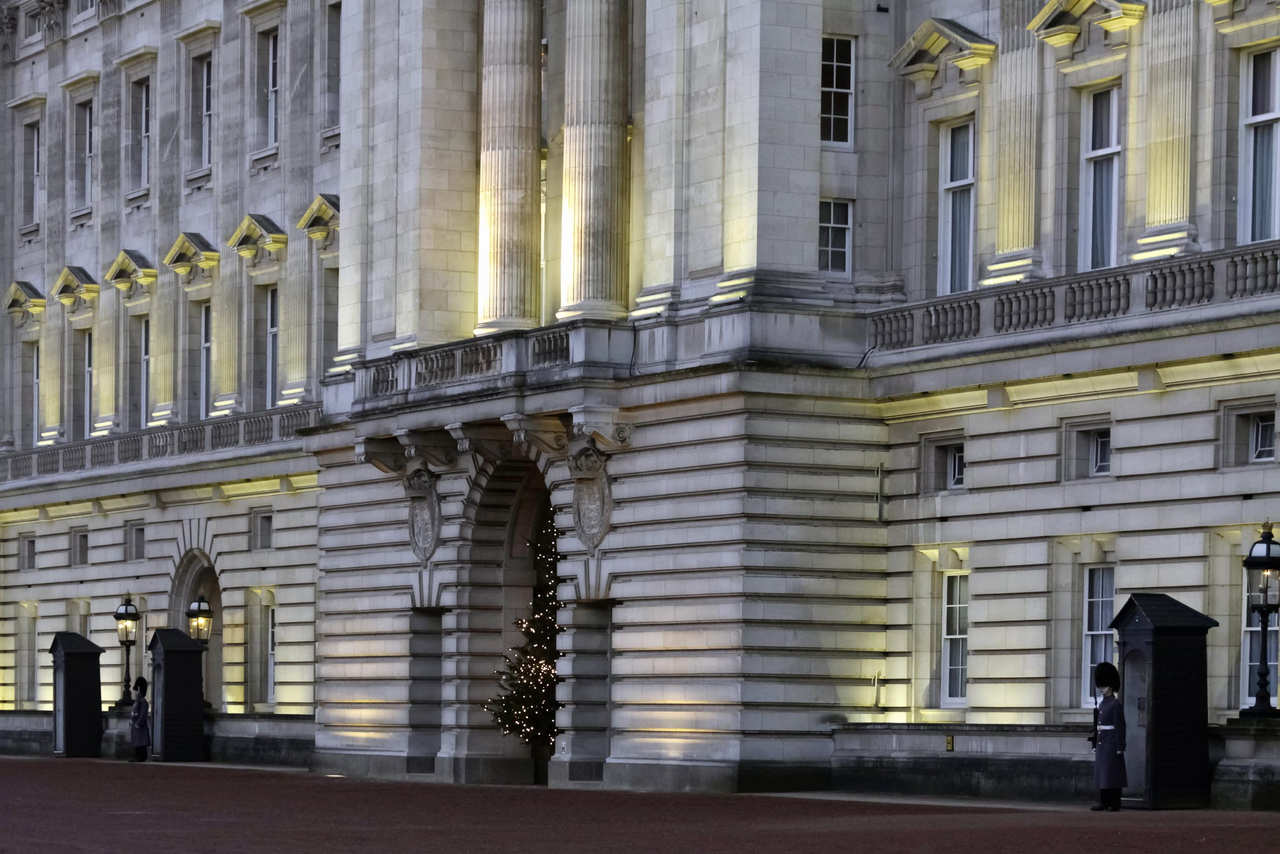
936,35
23,298
131,268
74,283
1057,19
257,231
191,249
323,212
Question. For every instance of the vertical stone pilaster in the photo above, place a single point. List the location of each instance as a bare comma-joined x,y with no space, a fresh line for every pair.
109,369
228,293
1170,59
584,668
593,252
510,171
1018,118
354,189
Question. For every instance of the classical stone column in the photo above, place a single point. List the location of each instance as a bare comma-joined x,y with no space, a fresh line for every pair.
510,170
593,247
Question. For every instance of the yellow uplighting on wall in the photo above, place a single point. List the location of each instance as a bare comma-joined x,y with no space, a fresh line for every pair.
1161,252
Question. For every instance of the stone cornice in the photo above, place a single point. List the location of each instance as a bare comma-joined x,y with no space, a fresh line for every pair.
918,58
204,28
137,56
190,250
23,298
72,284
83,79
31,99
257,231
129,268
321,218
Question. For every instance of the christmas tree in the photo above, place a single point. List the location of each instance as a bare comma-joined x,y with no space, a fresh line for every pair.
526,705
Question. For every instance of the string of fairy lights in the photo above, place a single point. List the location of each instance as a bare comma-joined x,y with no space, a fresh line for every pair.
526,703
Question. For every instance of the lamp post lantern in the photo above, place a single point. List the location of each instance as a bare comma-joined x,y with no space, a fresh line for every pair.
1262,569
200,626
127,630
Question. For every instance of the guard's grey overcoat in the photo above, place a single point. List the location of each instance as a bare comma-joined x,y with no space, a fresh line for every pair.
1108,758
140,723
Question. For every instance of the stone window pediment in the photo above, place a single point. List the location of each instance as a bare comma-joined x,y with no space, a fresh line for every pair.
75,288
24,302
1060,23
132,274
257,233
321,219
194,259
939,40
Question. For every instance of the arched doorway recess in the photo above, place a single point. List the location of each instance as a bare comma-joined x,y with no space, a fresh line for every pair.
194,578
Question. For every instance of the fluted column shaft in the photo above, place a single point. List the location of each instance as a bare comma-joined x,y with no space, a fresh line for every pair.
510,169
593,253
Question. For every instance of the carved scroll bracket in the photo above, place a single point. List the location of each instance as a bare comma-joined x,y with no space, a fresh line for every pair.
537,436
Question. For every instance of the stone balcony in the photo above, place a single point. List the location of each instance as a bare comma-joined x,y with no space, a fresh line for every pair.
1114,300
226,435
1232,286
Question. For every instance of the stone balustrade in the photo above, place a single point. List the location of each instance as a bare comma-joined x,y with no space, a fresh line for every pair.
1138,289
237,431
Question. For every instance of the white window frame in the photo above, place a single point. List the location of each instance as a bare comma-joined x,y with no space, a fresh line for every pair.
144,371
35,395
271,86
31,172
955,466
269,629
1090,159
1262,437
830,116
27,554
1092,629
87,380
827,228
206,110
946,698
272,349
1248,631
83,196
75,556
206,359
948,185
1100,459
142,133
1249,125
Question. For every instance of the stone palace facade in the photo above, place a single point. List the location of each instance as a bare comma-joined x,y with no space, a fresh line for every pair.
865,355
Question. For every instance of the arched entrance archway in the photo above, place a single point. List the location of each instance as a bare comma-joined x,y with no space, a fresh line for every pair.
494,590
196,577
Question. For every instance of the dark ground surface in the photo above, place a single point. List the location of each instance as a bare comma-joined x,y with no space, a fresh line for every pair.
82,805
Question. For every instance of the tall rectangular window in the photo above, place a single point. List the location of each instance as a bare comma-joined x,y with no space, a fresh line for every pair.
206,358
143,412
1099,179
140,107
31,26
81,425
35,395
26,552
1258,149
202,111
28,673
955,237
270,626
333,66
82,167
271,347
135,541
1099,607
955,638
30,171
1251,652
1099,452
78,547
837,89
269,86
1262,437
834,236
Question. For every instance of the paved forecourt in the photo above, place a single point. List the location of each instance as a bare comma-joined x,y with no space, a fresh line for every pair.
84,806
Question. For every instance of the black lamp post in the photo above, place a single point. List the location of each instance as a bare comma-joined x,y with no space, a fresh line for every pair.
127,629
200,626
1261,564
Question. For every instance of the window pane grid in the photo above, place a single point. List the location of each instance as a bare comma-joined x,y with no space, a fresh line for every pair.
1099,610
837,89
955,639
955,240
834,237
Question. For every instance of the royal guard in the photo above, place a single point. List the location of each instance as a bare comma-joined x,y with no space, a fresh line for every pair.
1108,739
